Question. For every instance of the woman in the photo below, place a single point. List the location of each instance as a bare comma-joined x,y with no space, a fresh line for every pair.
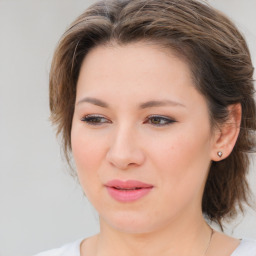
154,100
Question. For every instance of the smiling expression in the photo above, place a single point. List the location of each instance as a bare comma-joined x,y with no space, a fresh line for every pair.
138,117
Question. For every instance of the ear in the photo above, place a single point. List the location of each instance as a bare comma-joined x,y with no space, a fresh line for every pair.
225,136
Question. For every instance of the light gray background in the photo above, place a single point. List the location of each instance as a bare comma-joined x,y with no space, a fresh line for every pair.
41,206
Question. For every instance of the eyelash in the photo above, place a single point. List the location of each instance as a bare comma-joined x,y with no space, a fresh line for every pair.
89,120
167,120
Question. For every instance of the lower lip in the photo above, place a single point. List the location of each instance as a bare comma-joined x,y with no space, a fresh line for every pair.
128,195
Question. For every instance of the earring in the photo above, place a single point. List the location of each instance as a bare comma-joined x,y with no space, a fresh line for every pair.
219,153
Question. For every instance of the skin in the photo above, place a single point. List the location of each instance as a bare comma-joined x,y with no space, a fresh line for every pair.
124,142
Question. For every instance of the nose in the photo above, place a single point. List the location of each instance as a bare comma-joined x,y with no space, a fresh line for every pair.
124,151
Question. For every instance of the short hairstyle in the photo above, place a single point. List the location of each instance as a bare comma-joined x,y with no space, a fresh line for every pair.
218,58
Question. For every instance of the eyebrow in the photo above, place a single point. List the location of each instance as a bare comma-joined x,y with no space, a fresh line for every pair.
159,103
93,101
148,104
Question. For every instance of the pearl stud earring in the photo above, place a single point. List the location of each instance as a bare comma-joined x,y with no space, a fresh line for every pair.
220,154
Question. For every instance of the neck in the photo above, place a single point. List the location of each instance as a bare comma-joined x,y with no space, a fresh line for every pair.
167,240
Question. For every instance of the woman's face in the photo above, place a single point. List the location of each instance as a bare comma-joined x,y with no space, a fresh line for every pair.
141,137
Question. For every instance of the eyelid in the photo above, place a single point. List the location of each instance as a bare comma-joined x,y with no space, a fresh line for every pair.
86,119
167,119
89,120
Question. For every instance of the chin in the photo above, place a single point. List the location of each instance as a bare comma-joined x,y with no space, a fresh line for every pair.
130,223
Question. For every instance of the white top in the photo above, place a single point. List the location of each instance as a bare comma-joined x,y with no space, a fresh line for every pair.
247,247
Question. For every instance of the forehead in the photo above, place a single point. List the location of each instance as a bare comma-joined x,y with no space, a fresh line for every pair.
133,64
127,76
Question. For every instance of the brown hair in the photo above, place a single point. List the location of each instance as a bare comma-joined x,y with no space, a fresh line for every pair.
219,60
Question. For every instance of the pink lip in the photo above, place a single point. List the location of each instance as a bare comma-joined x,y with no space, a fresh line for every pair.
127,191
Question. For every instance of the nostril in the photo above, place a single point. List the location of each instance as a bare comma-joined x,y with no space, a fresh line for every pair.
124,157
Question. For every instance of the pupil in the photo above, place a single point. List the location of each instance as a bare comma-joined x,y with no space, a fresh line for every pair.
95,119
155,120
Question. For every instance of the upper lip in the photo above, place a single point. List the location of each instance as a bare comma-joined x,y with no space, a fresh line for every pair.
128,184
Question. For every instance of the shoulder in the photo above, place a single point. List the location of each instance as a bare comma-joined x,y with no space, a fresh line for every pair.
66,250
247,247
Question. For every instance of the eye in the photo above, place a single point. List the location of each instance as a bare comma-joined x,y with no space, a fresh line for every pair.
95,120
160,120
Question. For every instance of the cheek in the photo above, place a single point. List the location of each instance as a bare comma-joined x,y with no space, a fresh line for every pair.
87,154
181,171
183,160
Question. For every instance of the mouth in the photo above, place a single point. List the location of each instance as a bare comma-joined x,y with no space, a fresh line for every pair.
128,191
